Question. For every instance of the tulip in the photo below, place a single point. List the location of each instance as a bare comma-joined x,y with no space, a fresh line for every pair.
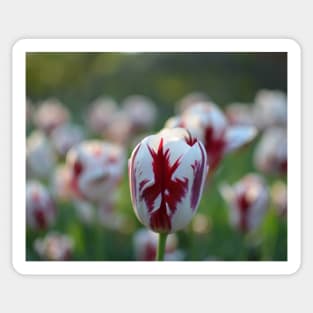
239,114
54,247
248,202
166,174
206,122
141,112
61,184
96,168
50,114
145,244
100,114
29,111
270,155
65,137
279,198
40,208
190,99
119,130
40,156
270,108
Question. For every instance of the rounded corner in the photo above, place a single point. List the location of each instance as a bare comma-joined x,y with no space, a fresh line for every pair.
19,44
294,268
294,44
18,269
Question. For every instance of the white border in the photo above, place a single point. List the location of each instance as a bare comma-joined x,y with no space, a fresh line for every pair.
156,45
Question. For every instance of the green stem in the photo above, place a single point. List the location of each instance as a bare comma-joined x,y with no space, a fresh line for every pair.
161,247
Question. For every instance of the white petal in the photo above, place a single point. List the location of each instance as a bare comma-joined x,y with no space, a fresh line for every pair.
238,136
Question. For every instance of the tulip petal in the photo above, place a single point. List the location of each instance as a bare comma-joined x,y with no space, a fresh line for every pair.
238,136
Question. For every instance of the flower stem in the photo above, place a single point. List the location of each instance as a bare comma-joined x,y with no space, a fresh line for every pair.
161,247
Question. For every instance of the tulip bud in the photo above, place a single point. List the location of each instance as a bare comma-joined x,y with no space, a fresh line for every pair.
166,174
96,168
190,99
61,184
141,112
40,156
145,244
40,209
54,247
100,114
206,122
270,108
119,129
270,155
50,115
279,198
248,202
65,137
239,114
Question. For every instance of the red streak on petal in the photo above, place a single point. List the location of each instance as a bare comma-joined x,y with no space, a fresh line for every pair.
243,205
149,253
40,219
198,170
171,190
284,167
214,147
190,140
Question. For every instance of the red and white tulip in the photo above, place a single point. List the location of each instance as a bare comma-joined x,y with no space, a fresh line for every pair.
279,198
96,168
100,114
270,155
40,208
145,244
54,247
50,114
167,172
40,156
141,112
270,108
248,202
61,184
206,122
65,137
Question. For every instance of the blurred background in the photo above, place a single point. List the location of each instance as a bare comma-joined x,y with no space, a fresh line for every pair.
81,82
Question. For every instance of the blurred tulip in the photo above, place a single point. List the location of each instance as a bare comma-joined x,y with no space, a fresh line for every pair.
85,211
270,155
61,183
108,217
100,114
40,156
248,201
270,108
201,224
40,208
173,122
29,111
207,123
190,99
279,198
54,247
96,168
50,114
141,112
119,129
239,114
65,137
145,244
166,174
